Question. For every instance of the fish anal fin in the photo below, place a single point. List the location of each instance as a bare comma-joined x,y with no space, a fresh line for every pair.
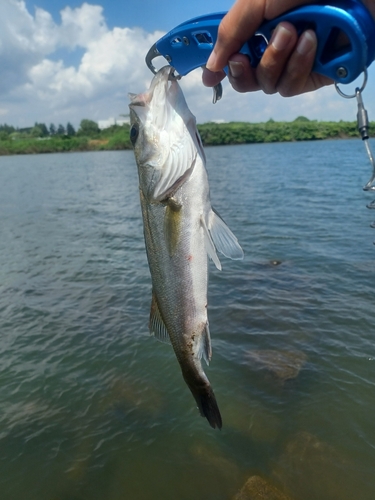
223,238
210,247
156,324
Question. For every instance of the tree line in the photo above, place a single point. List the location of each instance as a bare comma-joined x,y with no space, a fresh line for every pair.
89,137
301,129
87,128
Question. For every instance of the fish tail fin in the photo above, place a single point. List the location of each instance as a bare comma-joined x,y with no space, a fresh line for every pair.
207,405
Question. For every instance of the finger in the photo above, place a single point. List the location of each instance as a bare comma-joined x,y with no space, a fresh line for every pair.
240,24
297,77
275,57
241,74
210,79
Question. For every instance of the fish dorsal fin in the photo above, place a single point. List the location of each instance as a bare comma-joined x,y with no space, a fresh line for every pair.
210,247
204,347
156,323
223,238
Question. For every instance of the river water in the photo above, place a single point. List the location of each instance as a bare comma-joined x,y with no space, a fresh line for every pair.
92,407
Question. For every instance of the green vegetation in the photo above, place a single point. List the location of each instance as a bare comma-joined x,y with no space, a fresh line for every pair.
88,128
40,139
300,129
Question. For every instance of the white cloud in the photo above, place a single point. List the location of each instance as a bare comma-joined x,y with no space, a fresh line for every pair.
23,41
35,86
112,63
82,25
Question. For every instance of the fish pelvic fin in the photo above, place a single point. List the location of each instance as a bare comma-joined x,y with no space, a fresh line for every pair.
205,349
156,324
223,238
207,405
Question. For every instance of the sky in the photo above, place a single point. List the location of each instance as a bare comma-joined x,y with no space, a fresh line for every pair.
66,60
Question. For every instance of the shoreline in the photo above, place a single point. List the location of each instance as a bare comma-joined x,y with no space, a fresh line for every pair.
212,134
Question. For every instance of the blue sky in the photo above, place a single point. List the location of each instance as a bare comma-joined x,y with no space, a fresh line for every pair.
65,60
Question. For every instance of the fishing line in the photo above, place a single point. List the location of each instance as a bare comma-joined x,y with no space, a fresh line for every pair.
363,128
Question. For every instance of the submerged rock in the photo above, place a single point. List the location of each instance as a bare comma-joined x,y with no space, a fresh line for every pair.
212,456
255,421
310,468
257,488
285,365
126,393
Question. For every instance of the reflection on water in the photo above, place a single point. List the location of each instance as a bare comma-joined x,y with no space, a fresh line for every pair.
91,407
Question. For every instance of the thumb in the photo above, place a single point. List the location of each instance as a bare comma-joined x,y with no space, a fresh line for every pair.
236,27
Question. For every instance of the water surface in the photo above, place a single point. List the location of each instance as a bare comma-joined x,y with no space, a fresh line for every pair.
91,407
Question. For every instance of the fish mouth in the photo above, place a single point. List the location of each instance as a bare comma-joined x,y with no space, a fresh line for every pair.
167,73
159,85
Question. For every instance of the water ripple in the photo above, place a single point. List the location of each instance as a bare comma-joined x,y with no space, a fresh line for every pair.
88,401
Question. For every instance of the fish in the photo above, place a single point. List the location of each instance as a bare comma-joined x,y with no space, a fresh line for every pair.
181,229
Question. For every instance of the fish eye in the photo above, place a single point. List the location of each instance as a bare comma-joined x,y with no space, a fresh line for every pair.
134,131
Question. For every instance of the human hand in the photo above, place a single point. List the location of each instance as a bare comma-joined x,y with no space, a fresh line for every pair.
287,62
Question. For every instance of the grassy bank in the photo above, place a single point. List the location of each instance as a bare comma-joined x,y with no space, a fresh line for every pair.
111,139
117,137
298,130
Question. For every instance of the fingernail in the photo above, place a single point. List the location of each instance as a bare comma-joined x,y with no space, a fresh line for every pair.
236,68
306,43
281,38
211,61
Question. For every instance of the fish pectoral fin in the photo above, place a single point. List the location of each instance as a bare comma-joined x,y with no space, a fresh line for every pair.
172,225
177,169
156,323
204,347
223,238
210,247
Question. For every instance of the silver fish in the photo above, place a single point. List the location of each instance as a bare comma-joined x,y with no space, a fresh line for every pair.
180,228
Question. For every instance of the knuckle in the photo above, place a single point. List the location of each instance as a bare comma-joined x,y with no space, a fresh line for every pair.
222,32
228,35
240,87
268,86
270,91
224,35
291,81
289,87
267,81
285,91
